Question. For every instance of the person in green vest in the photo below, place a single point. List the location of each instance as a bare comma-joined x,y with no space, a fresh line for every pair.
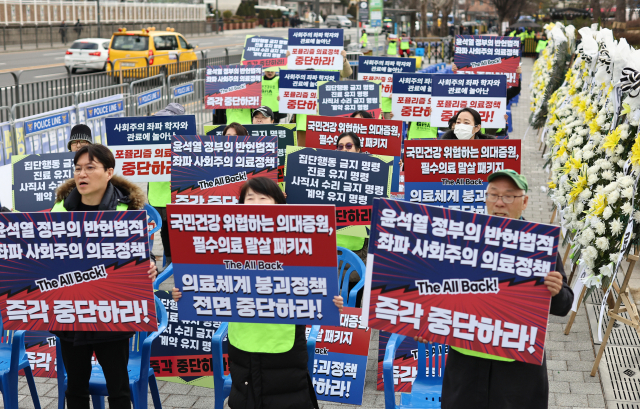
480,380
262,116
240,115
270,91
363,39
405,45
268,362
392,45
542,44
94,187
80,136
513,33
422,130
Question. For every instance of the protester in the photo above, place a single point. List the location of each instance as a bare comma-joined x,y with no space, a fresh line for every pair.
475,380
362,114
405,45
80,136
94,187
363,39
63,33
467,126
262,116
392,45
348,142
234,129
268,362
270,91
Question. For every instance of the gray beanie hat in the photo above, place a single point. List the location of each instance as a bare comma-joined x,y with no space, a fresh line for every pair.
80,132
172,109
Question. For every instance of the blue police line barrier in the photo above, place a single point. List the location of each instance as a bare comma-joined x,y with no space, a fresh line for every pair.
93,114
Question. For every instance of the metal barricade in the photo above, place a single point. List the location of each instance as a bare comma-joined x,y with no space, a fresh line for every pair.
187,89
147,101
93,113
6,137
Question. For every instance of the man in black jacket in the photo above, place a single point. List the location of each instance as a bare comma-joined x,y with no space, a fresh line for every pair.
481,381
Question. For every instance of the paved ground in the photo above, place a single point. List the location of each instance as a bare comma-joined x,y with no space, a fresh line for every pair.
569,358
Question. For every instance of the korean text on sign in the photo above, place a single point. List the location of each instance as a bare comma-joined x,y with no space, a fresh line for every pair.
411,99
488,55
244,263
454,174
382,69
233,86
212,169
69,271
377,136
265,51
440,273
316,48
345,97
298,90
487,94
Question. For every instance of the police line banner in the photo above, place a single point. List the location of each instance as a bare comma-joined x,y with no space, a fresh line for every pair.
142,145
317,48
382,69
488,55
411,99
348,180
183,350
343,98
211,169
6,151
76,271
45,133
255,263
93,113
377,136
233,87
340,362
453,173
265,51
486,94
298,90
286,134
462,279
36,178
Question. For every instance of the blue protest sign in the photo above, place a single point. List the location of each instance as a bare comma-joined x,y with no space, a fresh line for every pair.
298,90
411,99
382,69
265,51
317,48
148,130
343,98
149,97
488,55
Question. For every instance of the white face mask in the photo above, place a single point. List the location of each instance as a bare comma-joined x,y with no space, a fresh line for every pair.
462,131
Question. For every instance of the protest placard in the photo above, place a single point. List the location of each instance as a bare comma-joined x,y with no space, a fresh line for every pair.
454,173
142,145
255,263
183,351
340,363
345,97
382,69
76,271
487,94
298,90
233,87
462,279
377,136
348,180
36,178
212,169
488,55
316,48
265,51
411,99
40,347
286,134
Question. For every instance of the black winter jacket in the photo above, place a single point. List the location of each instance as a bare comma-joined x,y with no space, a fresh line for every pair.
272,381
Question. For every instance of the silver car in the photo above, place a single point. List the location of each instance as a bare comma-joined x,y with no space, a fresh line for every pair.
338,22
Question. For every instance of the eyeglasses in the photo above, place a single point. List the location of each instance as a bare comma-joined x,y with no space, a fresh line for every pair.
346,146
89,169
79,143
506,199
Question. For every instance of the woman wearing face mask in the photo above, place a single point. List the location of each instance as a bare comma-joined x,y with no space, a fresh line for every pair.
467,126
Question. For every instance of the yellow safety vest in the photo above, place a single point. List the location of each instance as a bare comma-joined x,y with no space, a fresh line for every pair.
353,243
363,39
159,194
241,116
422,130
404,45
270,90
263,338
393,48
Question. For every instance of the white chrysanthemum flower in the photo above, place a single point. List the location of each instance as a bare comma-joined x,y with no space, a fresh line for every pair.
627,208
619,150
608,212
608,174
600,227
584,196
621,163
611,187
625,181
586,237
613,197
602,243
616,226
580,208
605,164
636,216
592,179
587,154
628,192
607,270
613,257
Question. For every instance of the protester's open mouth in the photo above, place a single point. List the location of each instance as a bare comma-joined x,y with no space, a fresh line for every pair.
83,183
500,214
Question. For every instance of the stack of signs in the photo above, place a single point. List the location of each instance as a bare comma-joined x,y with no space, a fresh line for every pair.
255,263
265,51
340,363
36,178
461,279
77,271
212,169
298,90
454,174
286,134
488,55
348,180
142,145
411,99
182,353
382,69
377,136
487,94
316,48
343,98
233,87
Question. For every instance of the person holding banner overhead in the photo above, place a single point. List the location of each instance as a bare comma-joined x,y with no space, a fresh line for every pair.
468,124
268,362
94,187
270,91
475,380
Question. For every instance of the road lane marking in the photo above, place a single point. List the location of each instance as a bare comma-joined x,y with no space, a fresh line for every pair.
31,68
49,75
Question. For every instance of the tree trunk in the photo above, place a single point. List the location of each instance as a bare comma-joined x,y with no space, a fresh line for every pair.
412,30
621,11
595,10
423,13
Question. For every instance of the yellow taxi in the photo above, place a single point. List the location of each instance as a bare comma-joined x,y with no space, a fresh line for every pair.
129,49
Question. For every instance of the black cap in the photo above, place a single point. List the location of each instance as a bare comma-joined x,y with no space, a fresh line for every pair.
264,110
80,132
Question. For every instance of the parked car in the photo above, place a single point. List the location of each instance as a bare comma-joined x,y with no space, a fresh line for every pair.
338,22
88,53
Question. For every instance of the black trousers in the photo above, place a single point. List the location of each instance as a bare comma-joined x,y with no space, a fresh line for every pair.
164,234
113,356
